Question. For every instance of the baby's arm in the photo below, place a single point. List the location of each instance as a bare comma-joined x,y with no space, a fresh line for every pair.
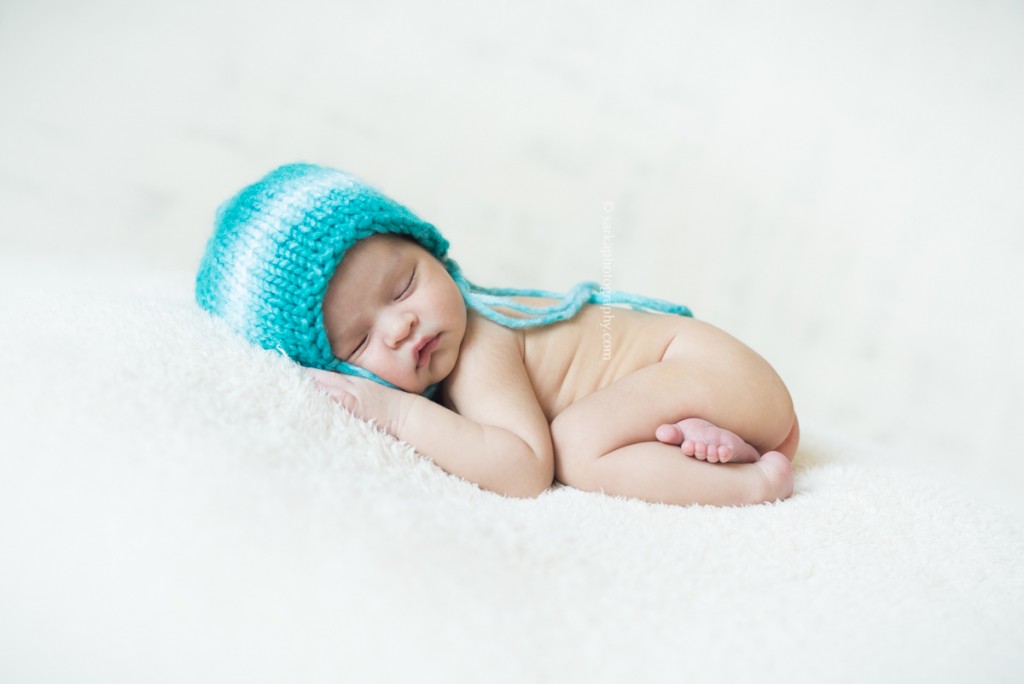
498,439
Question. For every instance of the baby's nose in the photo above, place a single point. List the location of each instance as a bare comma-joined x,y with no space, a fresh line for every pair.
400,327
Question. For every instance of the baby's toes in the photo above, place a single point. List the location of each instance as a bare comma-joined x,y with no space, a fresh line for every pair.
688,447
712,453
725,453
669,434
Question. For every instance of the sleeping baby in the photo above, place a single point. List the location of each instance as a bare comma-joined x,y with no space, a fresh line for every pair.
509,389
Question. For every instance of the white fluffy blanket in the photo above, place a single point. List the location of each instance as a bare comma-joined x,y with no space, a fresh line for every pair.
175,506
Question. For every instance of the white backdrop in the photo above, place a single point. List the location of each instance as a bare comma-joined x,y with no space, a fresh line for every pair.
838,184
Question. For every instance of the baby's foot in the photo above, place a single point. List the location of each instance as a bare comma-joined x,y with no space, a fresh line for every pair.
707,442
777,474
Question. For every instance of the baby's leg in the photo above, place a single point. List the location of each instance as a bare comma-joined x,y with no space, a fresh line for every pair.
607,440
659,473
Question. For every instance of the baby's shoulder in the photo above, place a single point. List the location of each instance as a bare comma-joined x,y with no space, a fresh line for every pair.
481,330
490,357
486,341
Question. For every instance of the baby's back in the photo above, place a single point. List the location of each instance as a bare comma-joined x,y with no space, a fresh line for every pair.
569,360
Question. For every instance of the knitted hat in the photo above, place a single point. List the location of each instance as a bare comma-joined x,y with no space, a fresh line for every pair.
276,244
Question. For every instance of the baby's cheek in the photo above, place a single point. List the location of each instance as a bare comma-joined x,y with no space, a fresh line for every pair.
389,368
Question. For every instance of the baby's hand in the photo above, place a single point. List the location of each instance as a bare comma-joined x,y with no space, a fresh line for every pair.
365,399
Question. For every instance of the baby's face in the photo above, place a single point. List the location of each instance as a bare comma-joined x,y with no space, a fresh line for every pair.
392,308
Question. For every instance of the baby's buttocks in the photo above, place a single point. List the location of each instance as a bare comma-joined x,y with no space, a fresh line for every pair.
569,360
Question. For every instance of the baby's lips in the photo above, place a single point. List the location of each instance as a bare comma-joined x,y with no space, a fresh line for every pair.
424,348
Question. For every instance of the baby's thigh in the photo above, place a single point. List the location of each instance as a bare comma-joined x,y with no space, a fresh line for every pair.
681,386
739,390
608,418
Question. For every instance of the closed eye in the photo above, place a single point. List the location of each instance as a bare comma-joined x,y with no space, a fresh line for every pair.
408,285
359,347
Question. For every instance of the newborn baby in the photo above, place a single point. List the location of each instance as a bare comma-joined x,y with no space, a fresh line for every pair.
509,389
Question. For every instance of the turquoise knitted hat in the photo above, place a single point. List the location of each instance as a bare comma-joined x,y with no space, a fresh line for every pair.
276,244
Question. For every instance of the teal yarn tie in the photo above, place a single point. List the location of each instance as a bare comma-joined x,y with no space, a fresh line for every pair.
486,301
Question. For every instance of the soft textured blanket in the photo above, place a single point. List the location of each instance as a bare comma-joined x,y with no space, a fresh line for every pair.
176,506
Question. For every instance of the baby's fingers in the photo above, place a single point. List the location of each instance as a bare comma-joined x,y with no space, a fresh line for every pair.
333,381
322,377
337,386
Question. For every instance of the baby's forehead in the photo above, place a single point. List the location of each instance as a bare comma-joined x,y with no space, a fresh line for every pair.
378,248
370,260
